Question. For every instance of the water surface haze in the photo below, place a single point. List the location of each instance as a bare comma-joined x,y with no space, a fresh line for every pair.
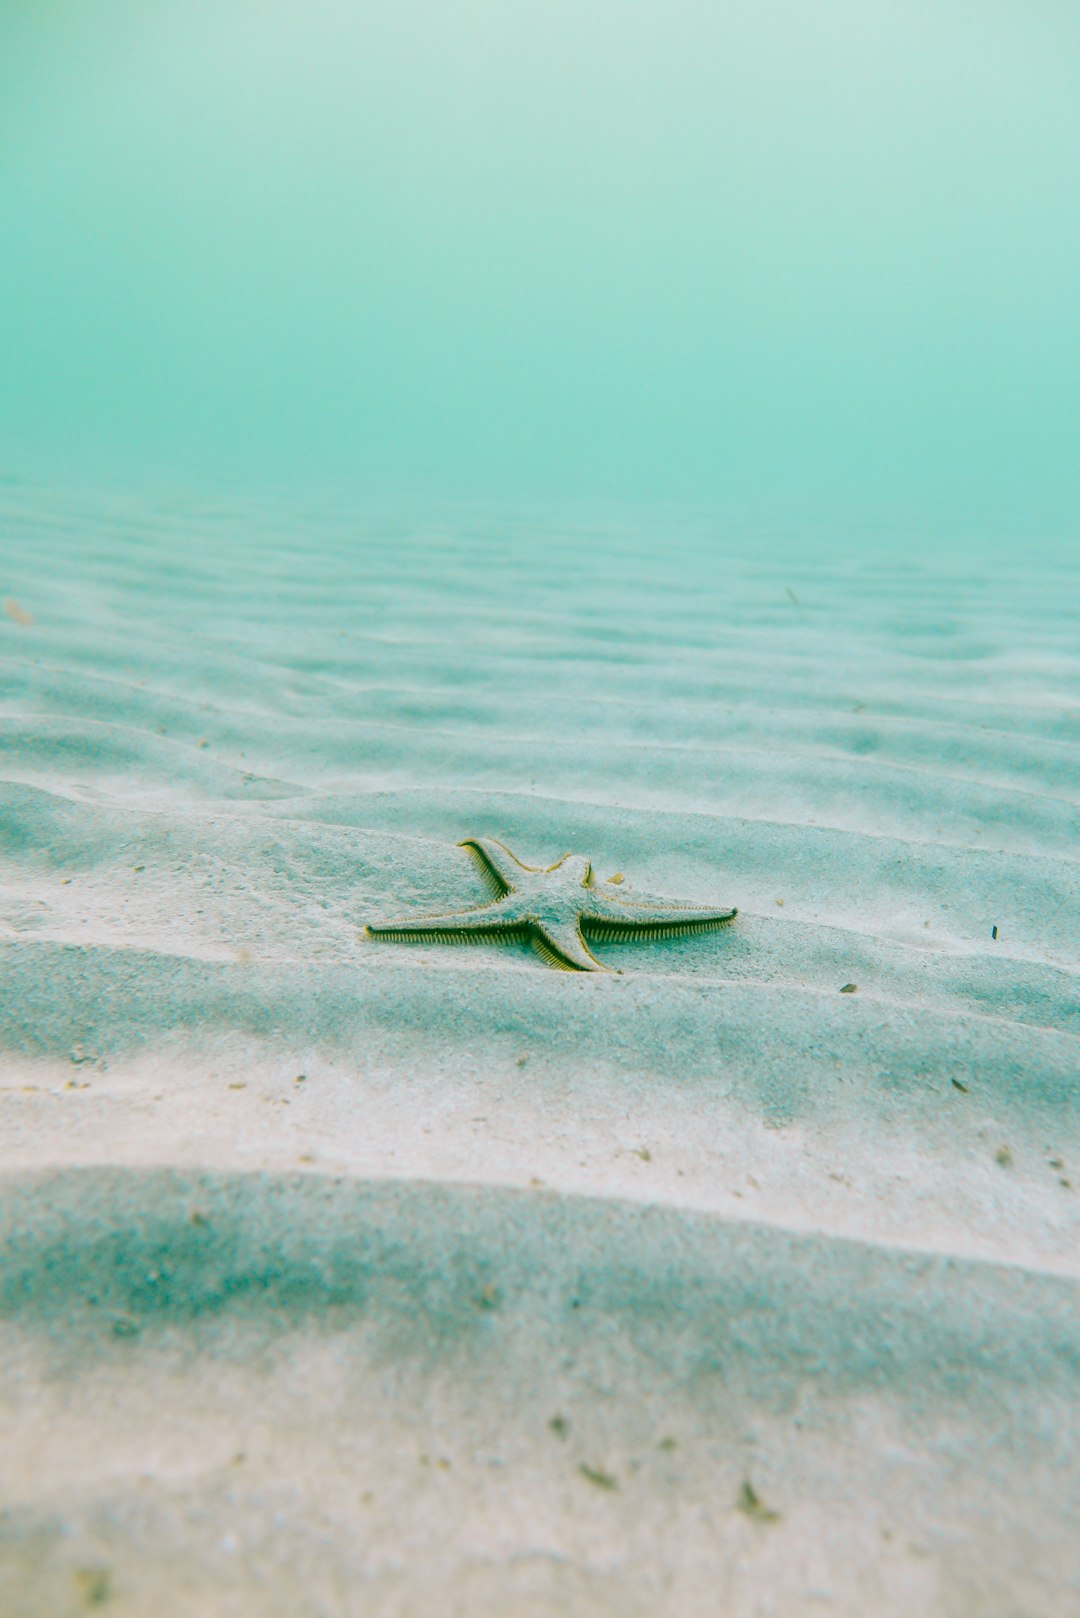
817,259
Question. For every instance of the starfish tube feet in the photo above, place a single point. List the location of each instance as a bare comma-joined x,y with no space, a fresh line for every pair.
634,922
564,947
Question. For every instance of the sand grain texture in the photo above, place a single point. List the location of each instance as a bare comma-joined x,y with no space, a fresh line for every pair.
340,1277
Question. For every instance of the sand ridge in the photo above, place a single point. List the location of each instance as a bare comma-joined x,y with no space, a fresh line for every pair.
516,1398
845,1224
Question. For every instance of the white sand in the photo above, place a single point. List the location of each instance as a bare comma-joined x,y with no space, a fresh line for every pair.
295,1345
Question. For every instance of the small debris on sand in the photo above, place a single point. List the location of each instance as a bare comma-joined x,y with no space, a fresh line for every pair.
93,1585
957,1085
849,988
559,1426
751,1504
617,878
1003,1157
993,933
602,1480
18,614
780,902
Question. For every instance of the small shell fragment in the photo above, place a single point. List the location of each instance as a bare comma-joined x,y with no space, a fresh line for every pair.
17,613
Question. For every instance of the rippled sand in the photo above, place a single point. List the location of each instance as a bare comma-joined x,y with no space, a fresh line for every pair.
347,1277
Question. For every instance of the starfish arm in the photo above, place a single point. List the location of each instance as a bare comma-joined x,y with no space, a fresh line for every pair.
501,868
562,945
487,921
619,919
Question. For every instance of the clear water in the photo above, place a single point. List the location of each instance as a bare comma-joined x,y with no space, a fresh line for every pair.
812,260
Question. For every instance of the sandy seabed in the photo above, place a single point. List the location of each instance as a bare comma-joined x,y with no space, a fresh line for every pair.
340,1277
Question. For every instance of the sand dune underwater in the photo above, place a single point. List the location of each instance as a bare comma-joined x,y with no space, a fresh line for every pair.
347,1276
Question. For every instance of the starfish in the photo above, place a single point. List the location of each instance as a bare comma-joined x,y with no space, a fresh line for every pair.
552,907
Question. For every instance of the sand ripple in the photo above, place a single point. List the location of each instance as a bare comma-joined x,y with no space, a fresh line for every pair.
502,1282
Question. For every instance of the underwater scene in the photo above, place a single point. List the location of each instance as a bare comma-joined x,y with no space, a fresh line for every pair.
539,809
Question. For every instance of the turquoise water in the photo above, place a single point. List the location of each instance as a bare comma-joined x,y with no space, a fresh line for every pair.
642,431
803,259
